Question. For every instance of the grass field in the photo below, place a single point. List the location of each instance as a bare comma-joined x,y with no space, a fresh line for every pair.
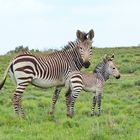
120,118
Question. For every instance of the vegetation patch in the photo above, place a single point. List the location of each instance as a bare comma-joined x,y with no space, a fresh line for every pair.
137,83
120,107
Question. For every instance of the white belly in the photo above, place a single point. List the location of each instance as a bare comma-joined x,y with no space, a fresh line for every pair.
47,83
89,89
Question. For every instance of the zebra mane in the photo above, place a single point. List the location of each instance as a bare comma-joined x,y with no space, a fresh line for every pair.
101,70
71,44
26,52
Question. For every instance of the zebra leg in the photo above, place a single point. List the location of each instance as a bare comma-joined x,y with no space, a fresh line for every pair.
68,102
17,100
99,105
54,100
74,95
75,85
93,105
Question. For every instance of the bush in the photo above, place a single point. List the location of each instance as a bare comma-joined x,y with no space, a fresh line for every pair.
125,60
137,83
129,69
137,54
127,85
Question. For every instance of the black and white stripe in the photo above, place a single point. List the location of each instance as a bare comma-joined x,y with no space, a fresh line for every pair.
48,70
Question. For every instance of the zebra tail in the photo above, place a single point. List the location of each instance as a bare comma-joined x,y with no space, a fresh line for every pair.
4,77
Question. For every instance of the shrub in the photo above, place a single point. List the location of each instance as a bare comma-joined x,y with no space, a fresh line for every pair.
137,83
137,54
125,60
129,69
127,85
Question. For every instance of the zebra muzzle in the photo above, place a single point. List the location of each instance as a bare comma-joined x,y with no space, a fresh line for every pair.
86,64
118,77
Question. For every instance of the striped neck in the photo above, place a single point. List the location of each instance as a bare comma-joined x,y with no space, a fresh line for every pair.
73,55
100,69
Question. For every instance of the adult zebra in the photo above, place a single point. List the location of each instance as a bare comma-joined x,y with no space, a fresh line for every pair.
49,69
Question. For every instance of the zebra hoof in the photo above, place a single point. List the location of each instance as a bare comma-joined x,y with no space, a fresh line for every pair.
51,113
69,116
98,114
92,114
24,117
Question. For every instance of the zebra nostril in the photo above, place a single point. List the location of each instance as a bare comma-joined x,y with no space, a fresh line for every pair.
86,64
117,77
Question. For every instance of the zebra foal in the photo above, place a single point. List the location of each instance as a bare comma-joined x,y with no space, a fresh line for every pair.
48,70
90,82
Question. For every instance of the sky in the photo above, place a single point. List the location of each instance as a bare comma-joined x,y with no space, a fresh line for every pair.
50,24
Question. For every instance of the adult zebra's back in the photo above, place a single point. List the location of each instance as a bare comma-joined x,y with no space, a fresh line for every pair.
49,69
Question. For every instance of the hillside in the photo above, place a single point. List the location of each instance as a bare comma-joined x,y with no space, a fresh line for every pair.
120,118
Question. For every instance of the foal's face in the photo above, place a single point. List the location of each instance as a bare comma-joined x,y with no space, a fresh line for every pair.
112,70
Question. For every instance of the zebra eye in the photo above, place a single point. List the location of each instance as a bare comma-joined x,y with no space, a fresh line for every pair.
81,49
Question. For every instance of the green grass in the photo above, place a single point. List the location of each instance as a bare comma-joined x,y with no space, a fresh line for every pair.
120,118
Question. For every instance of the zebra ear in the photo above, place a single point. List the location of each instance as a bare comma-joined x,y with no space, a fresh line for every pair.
113,55
79,35
105,58
91,34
